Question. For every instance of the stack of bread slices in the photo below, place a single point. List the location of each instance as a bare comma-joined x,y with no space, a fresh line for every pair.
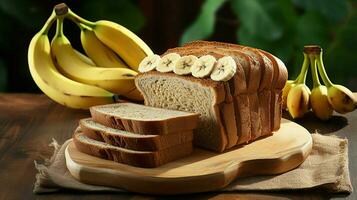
135,134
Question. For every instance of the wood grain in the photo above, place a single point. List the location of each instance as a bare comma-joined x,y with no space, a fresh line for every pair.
203,170
28,122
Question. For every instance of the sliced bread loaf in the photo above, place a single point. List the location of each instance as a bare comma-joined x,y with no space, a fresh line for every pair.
125,139
254,90
144,120
146,159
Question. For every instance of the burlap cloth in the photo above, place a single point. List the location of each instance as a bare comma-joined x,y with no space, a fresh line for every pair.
325,169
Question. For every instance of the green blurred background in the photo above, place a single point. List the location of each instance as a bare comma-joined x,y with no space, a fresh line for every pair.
281,27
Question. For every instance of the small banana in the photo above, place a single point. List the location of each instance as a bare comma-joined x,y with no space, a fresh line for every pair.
203,66
116,80
341,99
298,100
184,64
167,62
320,104
224,69
149,63
318,98
288,85
296,93
97,51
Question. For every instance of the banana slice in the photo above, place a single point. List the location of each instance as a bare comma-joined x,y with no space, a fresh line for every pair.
168,62
224,70
203,66
184,64
149,63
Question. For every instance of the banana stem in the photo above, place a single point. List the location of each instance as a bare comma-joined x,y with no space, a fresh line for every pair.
48,24
82,26
62,10
304,69
79,20
297,78
322,71
59,27
315,77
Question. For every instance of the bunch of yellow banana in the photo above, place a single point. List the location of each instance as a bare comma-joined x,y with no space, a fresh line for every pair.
323,99
76,80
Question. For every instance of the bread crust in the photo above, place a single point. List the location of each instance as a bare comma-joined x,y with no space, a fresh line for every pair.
146,159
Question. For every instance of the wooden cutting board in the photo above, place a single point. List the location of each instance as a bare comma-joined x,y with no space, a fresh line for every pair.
203,170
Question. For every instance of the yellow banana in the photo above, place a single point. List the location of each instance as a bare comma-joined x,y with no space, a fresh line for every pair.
298,100
318,98
292,83
116,80
97,51
341,98
122,41
54,84
320,104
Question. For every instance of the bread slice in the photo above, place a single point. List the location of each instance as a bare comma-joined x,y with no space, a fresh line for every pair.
147,159
121,138
144,120
187,93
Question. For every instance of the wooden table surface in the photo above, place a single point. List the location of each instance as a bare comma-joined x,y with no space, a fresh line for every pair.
28,123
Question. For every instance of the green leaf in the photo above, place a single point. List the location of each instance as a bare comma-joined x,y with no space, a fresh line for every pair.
281,48
123,12
282,12
334,10
203,26
255,19
311,28
3,76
